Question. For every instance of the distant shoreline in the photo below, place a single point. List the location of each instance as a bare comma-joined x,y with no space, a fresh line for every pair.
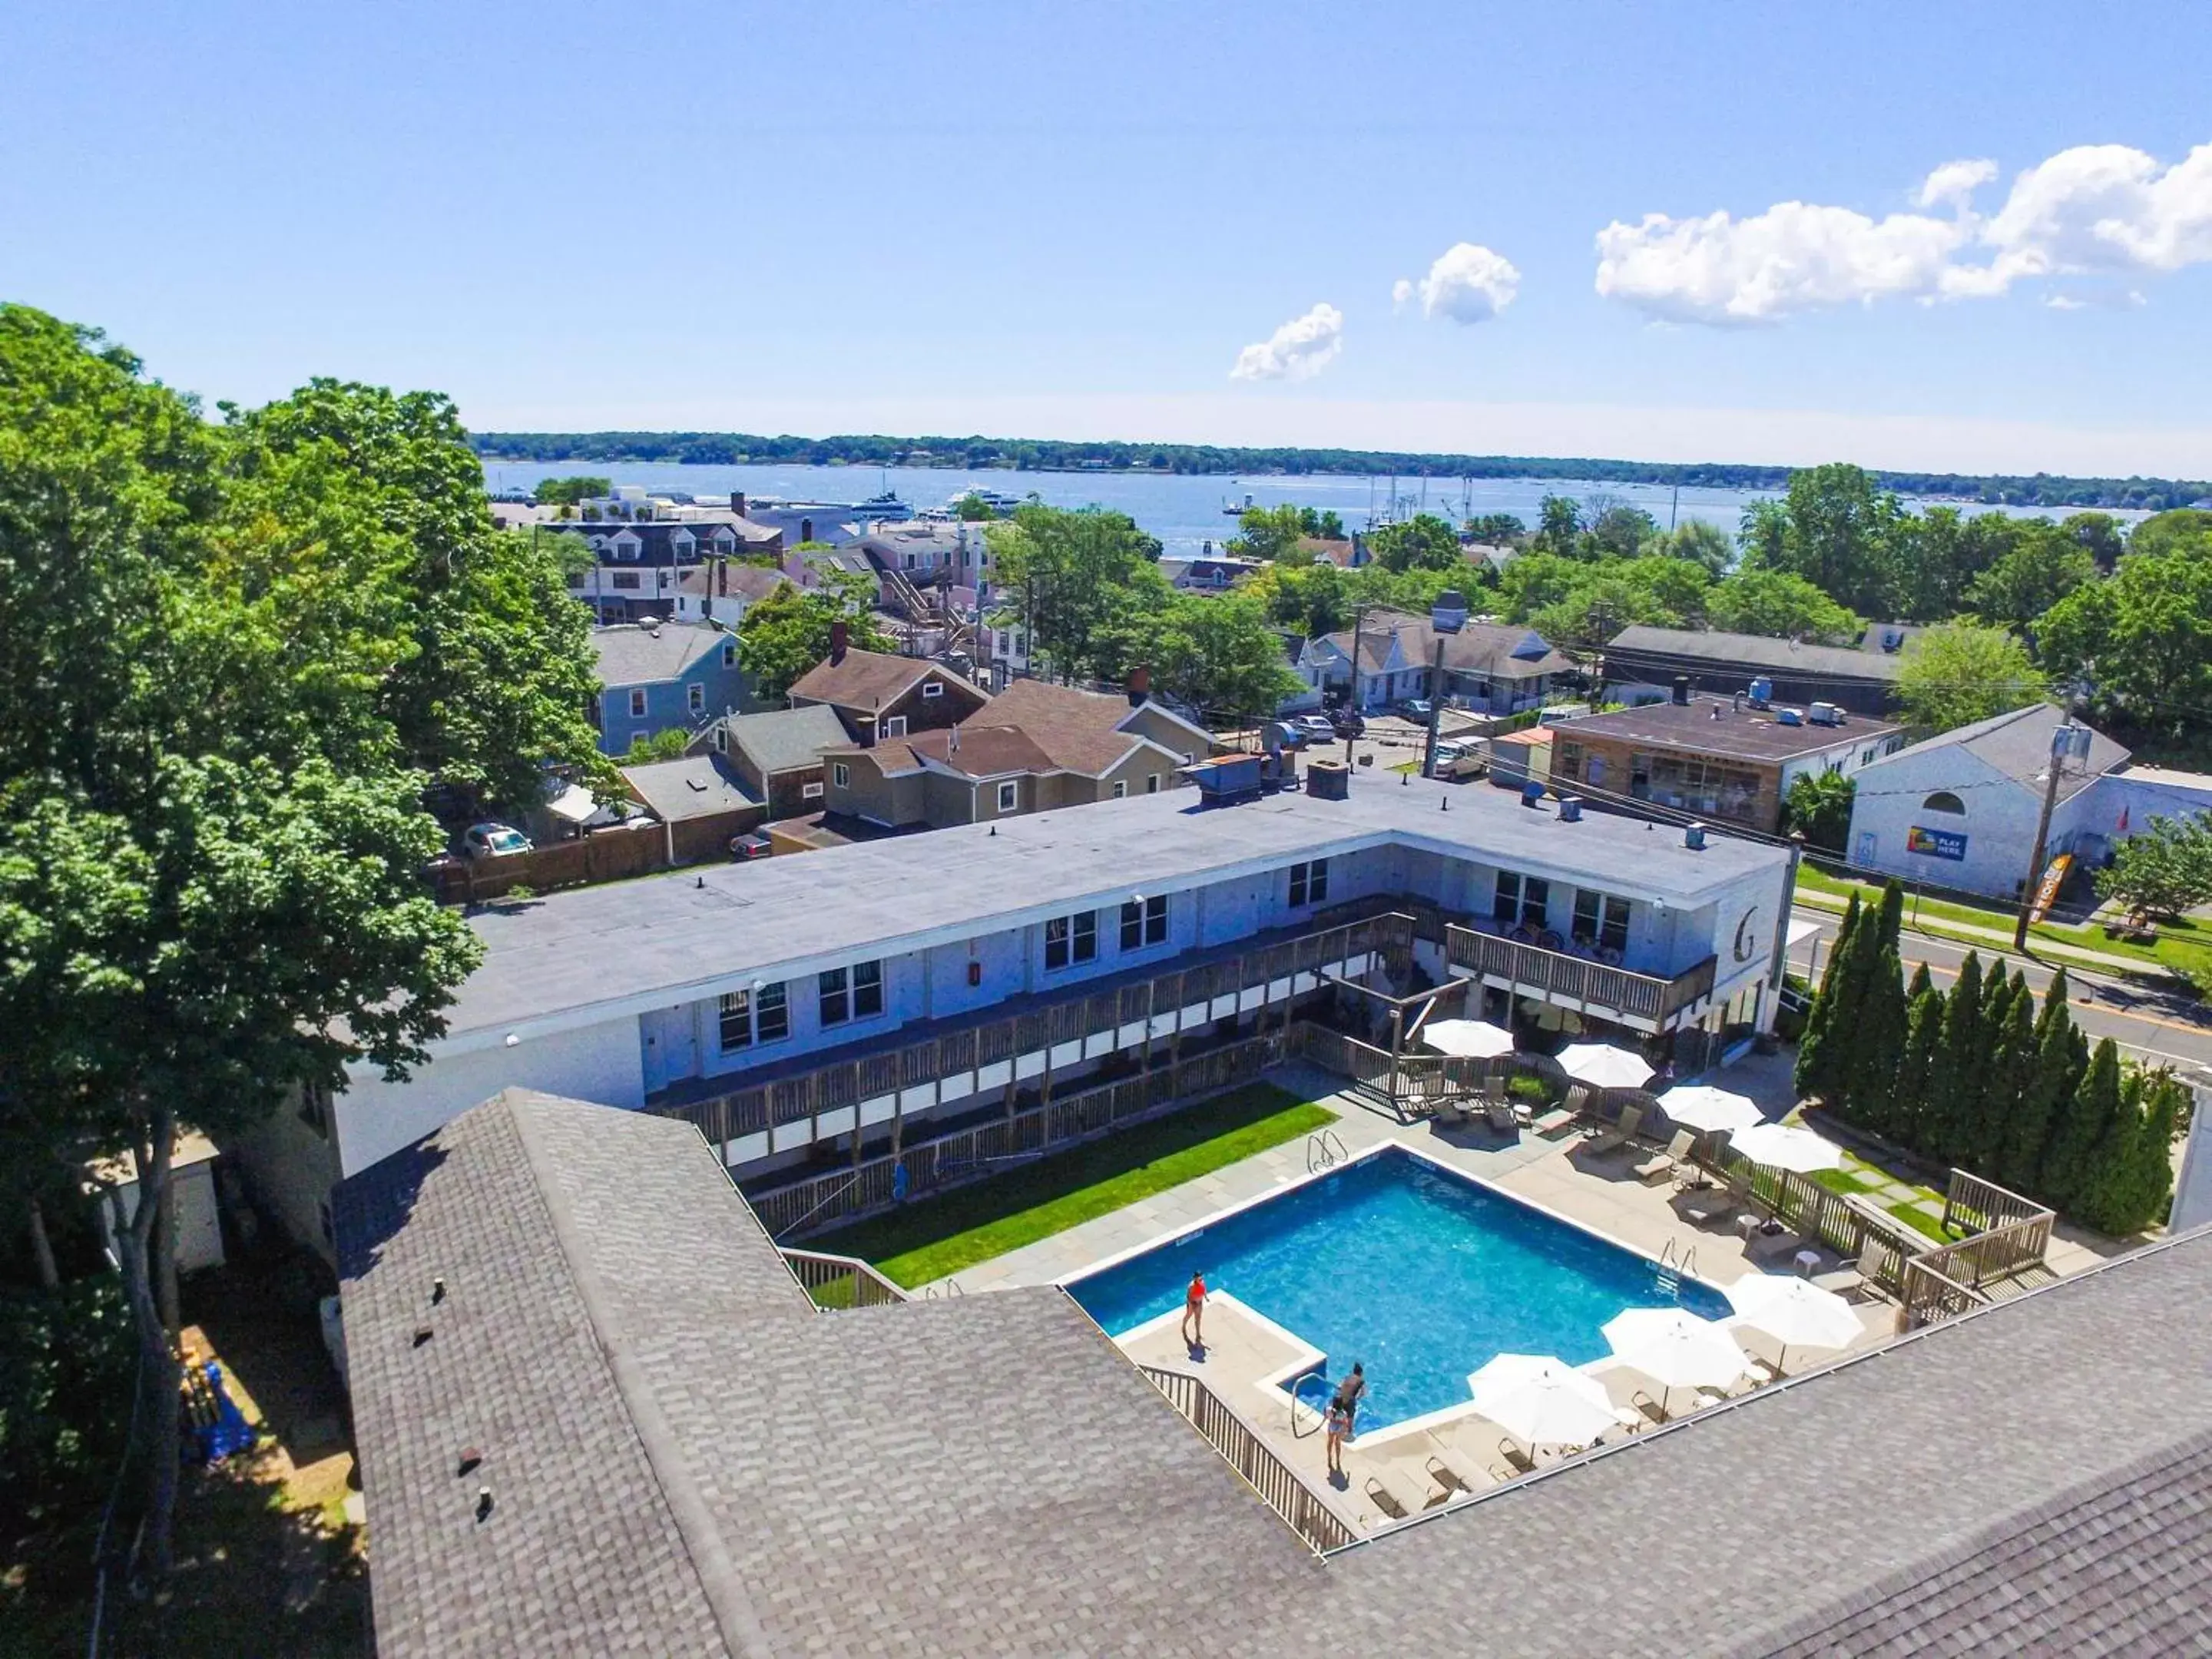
982,454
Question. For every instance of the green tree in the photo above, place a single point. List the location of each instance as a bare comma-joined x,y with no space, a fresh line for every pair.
1955,1079
2111,1198
783,635
972,508
2044,565
1843,534
1325,525
2164,533
567,492
1216,654
1955,674
2163,870
1617,530
1702,543
1878,1041
2070,1158
665,745
1423,542
1819,807
2008,1082
1909,1105
1268,532
1558,526
1068,574
1780,606
2041,1102
1497,529
2142,639
2099,535
1823,1047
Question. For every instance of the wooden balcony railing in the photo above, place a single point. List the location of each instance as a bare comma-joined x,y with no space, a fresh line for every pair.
1558,976
1301,1509
841,1281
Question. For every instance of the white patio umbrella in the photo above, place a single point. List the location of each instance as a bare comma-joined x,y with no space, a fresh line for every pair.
1470,1039
1794,1312
1508,1371
1700,1106
1604,1067
1676,1349
1549,1407
1785,1146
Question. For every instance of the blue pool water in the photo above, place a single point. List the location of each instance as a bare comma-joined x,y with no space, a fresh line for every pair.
1420,1274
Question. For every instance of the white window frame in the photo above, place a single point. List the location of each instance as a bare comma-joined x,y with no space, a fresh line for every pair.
695,696
813,791
1121,788
932,688
637,702
1151,783
1010,796
894,726
841,775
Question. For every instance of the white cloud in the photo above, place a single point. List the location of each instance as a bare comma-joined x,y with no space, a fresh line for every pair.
1468,283
1298,351
2095,210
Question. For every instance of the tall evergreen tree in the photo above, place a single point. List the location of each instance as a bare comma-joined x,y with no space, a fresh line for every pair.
1953,1081
1822,1048
1877,1043
2011,1075
1891,927
2109,1200
2069,1162
2028,1132
1916,1065
2152,1186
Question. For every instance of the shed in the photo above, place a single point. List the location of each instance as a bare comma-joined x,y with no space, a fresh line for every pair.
199,1222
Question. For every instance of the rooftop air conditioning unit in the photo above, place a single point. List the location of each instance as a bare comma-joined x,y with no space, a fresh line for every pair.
1825,714
1789,717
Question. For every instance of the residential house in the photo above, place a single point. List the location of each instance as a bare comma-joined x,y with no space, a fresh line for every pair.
1034,748
778,754
879,696
653,677
1644,661
833,524
724,590
1345,553
1208,575
641,565
1721,757
930,554
1492,668
701,801
1961,809
671,992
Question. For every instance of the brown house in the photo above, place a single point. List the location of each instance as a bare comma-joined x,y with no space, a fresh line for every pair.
1719,757
778,754
877,695
1033,748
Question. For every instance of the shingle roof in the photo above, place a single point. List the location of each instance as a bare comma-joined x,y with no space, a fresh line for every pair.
694,786
786,739
685,1458
629,654
1073,729
1713,725
1501,650
2018,744
868,680
987,752
1752,651
753,581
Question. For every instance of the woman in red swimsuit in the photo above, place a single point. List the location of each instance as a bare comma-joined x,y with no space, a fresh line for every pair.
1194,1313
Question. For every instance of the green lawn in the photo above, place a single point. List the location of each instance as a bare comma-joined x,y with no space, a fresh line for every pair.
934,1237
1862,1179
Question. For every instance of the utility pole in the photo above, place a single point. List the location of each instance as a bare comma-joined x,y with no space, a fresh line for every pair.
1436,710
1358,618
2061,744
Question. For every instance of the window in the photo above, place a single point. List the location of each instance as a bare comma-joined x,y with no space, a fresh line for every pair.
1601,919
813,791
931,689
1944,801
837,996
894,726
1144,922
750,1017
842,775
1866,756
1010,796
575,579
721,740
695,697
1309,882
315,1108
729,653
626,579
1522,900
1070,939
1570,766
1121,788
867,989
1151,783
637,702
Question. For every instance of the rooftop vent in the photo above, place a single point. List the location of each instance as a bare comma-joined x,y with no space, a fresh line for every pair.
1570,809
1790,717
1693,837
1825,713
1329,780
1682,691
1531,792
1762,691
1449,614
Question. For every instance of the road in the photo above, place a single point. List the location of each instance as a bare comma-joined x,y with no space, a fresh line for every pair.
2152,1025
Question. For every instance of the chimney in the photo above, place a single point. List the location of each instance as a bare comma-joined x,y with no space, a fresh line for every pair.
838,634
1140,684
1449,614
737,503
1681,690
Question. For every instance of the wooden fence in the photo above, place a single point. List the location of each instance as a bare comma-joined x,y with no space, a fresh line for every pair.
603,855
1299,1506
856,1190
841,1281
1559,974
1971,1204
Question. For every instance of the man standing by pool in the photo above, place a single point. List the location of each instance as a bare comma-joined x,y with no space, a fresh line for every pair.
1193,1315
1348,1393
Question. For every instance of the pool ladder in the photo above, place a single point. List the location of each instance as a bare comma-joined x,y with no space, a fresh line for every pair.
1668,1274
1325,1151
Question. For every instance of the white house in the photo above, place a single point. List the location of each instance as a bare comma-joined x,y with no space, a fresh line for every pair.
671,993
1493,668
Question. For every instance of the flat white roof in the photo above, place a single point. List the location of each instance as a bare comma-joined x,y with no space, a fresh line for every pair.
666,939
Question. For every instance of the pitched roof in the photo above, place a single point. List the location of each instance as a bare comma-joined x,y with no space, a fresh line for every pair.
753,581
684,1458
1716,725
1500,650
2018,744
631,654
1337,552
868,680
694,786
786,739
1077,731
985,751
1752,651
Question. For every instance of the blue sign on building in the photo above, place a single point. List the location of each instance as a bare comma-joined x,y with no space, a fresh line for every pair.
1936,843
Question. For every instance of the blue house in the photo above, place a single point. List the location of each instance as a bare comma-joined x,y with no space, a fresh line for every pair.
654,675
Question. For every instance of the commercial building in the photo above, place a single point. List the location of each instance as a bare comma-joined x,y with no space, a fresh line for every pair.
1720,757
1644,661
896,986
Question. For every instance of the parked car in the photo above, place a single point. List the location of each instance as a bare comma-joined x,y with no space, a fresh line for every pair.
1347,723
1311,727
494,841
1416,708
753,846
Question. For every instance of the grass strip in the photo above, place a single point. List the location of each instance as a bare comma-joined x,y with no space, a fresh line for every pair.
934,1237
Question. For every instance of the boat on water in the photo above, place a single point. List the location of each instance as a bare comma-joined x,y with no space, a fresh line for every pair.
1232,510
1000,503
885,505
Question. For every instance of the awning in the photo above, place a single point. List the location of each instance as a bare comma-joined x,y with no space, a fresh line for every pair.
574,803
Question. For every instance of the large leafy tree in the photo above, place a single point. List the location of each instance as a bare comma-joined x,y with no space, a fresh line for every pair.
2163,870
1423,542
1068,575
1819,807
1842,532
783,635
209,838
1955,674
2143,639
1216,654
2042,566
1781,607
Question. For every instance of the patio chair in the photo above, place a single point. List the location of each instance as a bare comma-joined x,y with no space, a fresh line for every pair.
1445,1476
1660,1166
1618,1135
1500,1115
1384,1499
1552,1122
1846,1280
1707,1206
1653,1411
1519,1461
1452,1112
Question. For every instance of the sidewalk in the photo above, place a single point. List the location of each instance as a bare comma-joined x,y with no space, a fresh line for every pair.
1964,932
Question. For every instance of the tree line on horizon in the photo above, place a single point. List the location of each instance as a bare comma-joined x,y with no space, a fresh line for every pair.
980,453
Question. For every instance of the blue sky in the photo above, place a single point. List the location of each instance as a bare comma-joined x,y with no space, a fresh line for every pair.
1065,219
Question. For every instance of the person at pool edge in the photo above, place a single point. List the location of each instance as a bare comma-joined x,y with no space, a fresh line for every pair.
1348,1393
1338,1424
1194,1314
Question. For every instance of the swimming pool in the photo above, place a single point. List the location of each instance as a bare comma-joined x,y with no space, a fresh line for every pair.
1418,1272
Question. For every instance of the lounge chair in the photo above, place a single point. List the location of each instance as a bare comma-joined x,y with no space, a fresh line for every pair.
1653,1411
1707,1206
1515,1459
1385,1500
1445,1476
1660,1166
1550,1123
1452,1112
1845,1281
1618,1135
1500,1115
